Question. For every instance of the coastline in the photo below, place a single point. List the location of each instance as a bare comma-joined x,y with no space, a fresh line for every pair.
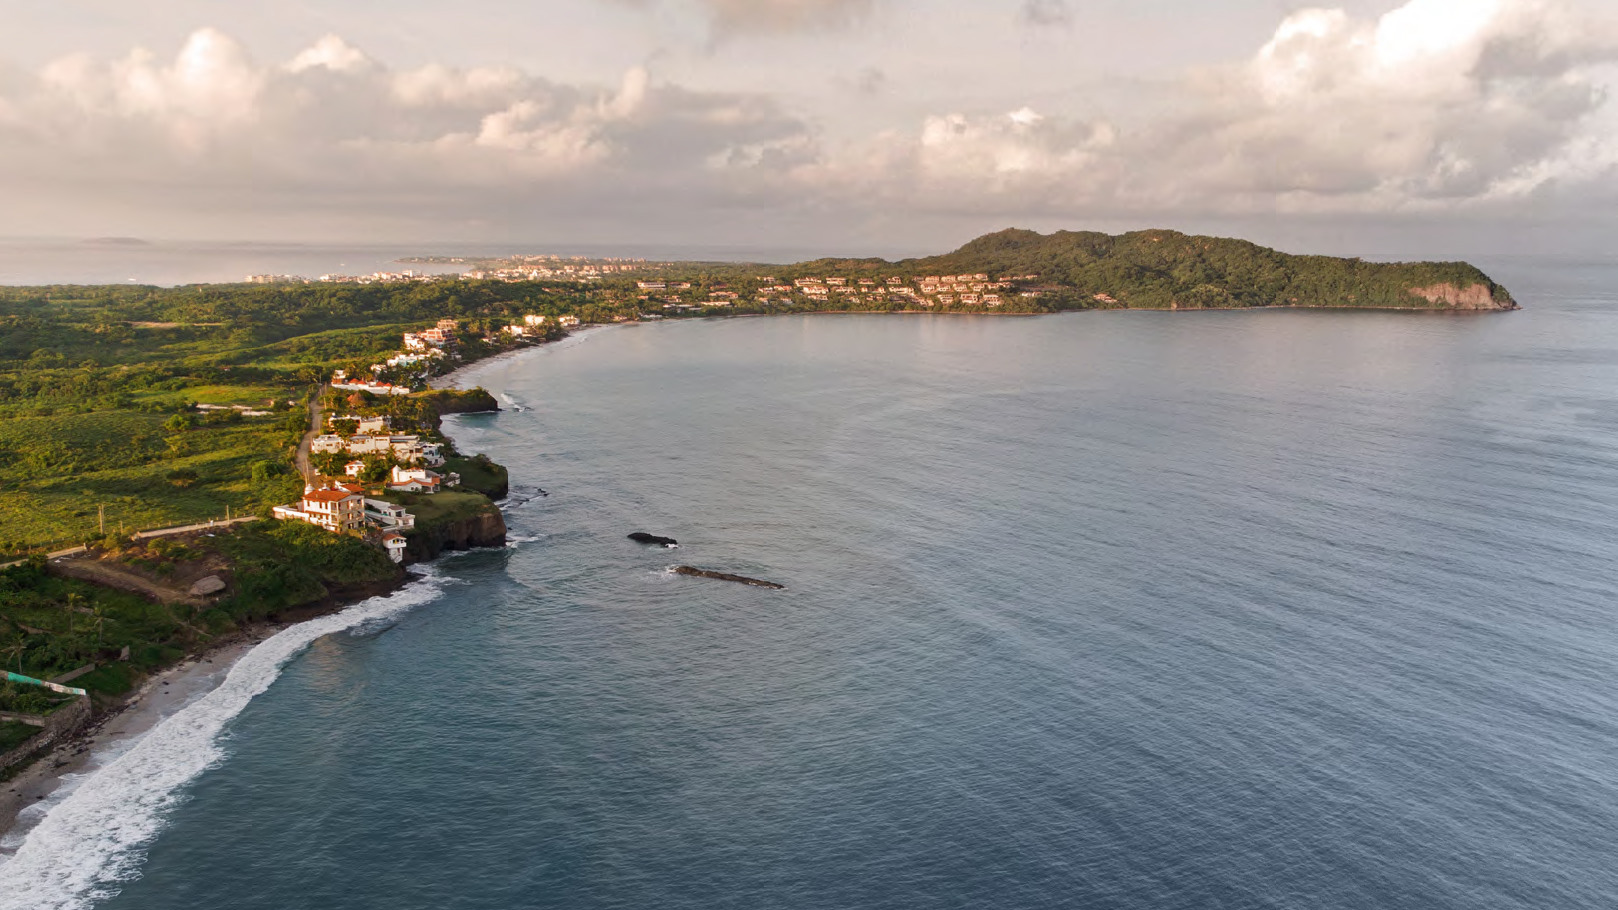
454,378
160,697
50,777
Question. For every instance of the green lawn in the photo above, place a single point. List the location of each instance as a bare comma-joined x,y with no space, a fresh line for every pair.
437,508
134,456
477,476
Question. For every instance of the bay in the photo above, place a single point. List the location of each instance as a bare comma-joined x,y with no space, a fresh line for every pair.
1116,610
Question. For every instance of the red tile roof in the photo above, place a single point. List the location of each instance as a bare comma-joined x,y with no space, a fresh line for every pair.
327,495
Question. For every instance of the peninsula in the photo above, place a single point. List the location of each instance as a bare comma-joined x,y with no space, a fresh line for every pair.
201,459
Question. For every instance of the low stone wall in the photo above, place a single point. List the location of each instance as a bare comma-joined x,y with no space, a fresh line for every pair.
66,678
59,725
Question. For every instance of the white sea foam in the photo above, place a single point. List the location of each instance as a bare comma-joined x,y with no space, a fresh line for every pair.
91,842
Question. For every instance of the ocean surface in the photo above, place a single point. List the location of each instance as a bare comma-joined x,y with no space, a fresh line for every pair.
1213,611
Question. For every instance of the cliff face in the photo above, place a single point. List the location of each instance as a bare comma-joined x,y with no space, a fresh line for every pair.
485,529
1477,296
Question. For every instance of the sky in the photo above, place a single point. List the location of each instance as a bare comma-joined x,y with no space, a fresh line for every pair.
852,127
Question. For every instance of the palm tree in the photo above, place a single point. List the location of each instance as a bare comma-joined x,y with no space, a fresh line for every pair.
18,646
74,599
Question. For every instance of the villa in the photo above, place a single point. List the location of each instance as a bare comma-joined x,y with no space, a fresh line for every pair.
337,511
388,516
420,480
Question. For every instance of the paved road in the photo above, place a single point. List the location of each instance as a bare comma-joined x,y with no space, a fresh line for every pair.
314,430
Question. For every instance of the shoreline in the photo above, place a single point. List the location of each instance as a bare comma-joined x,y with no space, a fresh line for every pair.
162,695
116,728
453,379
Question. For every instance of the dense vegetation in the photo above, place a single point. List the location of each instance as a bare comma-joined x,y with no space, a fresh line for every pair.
1163,269
51,624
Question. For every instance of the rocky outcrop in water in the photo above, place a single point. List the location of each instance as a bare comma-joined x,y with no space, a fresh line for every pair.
725,576
643,537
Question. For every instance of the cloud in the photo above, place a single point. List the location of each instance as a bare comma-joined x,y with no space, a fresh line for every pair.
738,16
1438,104
333,128
1046,14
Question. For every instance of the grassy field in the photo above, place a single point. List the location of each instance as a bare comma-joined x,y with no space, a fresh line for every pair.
57,474
478,476
438,508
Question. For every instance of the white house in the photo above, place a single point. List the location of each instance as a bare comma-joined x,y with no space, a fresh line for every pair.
394,544
330,442
567,321
334,510
414,480
388,516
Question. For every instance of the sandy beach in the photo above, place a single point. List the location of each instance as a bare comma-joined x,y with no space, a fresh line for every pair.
27,797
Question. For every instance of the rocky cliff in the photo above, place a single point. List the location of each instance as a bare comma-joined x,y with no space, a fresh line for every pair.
1477,296
486,528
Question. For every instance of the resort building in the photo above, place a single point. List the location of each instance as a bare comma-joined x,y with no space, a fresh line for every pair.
337,511
388,516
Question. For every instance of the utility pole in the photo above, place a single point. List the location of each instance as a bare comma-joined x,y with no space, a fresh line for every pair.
102,512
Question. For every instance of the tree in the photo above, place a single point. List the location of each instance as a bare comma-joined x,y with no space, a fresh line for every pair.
182,477
74,601
16,648
179,423
376,469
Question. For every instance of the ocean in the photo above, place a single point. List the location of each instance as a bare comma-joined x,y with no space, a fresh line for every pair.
1224,610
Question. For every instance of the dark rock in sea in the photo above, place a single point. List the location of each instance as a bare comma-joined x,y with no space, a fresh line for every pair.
723,576
643,537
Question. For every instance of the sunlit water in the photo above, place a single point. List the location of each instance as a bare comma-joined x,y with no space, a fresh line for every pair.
1128,610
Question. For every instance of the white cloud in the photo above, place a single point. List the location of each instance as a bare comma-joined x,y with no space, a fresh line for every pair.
735,16
1439,103
331,126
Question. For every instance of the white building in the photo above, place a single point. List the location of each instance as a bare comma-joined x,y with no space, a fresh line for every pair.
394,544
335,510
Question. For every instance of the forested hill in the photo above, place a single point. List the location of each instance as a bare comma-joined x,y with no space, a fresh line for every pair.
1167,269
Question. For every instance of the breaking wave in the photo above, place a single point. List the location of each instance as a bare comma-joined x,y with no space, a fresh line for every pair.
90,843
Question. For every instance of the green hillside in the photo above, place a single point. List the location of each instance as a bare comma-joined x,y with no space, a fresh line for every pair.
1166,269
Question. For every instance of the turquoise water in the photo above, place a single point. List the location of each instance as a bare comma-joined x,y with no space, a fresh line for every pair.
1127,610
